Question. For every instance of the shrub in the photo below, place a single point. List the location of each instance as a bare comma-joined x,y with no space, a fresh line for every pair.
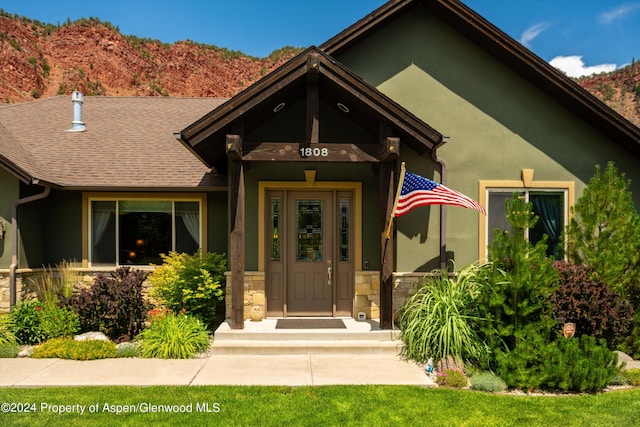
34,322
595,308
58,321
438,321
9,350
27,324
113,305
451,378
579,365
487,381
193,282
68,348
174,336
521,367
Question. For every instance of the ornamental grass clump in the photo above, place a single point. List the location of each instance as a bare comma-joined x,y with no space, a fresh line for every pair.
439,320
173,336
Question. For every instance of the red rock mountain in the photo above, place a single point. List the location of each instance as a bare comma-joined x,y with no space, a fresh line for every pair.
43,60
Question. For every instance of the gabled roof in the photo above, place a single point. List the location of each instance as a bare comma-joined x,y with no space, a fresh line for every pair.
497,43
336,86
129,144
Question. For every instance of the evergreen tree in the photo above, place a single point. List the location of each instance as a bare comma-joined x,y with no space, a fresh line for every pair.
605,233
520,283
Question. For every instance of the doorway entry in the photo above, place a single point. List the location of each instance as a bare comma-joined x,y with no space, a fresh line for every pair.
309,269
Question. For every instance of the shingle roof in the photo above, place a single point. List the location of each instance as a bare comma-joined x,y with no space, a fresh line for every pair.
129,143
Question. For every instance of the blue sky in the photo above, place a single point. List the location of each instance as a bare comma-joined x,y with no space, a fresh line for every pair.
577,36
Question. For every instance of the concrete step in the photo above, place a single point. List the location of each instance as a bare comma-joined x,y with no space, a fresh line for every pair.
261,338
269,347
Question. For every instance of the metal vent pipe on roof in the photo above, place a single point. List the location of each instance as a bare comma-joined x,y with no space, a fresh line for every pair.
77,125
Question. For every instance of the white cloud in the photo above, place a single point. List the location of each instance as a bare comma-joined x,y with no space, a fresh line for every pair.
532,32
619,12
574,66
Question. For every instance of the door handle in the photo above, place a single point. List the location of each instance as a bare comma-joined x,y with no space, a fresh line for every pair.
329,273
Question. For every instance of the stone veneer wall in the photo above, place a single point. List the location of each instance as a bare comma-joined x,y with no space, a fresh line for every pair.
366,299
25,276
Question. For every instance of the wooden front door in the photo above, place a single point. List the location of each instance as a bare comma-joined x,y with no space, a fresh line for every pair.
309,269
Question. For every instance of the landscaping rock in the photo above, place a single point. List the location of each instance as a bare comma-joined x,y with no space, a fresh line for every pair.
25,351
98,336
126,345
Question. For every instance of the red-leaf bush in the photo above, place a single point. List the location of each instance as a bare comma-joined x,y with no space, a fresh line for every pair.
595,308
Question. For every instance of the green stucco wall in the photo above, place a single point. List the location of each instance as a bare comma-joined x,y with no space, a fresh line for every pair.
498,124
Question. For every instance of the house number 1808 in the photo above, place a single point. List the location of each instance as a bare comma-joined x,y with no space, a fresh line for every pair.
316,152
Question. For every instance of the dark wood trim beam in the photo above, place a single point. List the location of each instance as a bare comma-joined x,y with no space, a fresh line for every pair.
313,99
317,152
234,147
237,224
390,149
387,178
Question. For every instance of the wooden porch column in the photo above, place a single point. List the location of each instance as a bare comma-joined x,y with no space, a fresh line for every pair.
236,204
389,155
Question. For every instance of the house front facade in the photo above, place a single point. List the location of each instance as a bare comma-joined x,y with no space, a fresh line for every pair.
295,177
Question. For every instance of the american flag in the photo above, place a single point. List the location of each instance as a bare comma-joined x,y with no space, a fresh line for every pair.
419,191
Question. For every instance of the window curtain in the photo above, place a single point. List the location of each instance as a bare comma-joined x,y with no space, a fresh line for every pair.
548,209
192,223
101,217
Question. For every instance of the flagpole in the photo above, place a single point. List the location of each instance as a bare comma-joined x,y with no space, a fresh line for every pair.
395,202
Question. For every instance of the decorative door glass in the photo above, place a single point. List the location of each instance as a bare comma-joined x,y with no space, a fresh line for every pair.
344,230
310,238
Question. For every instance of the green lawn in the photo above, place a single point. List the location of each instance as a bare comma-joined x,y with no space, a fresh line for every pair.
313,406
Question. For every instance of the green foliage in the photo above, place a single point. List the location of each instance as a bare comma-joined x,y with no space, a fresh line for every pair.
438,321
633,377
487,381
113,305
174,336
34,322
27,324
521,367
58,321
6,330
595,308
451,378
9,350
605,233
191,282
68,348
579,365
576,364
518,284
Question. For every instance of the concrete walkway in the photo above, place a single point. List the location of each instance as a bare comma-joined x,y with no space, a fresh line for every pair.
290,370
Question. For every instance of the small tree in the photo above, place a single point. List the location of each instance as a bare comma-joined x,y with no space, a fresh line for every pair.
605,233
519,283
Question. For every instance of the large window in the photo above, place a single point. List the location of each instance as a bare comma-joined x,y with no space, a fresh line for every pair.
136,231
548,205
551,201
